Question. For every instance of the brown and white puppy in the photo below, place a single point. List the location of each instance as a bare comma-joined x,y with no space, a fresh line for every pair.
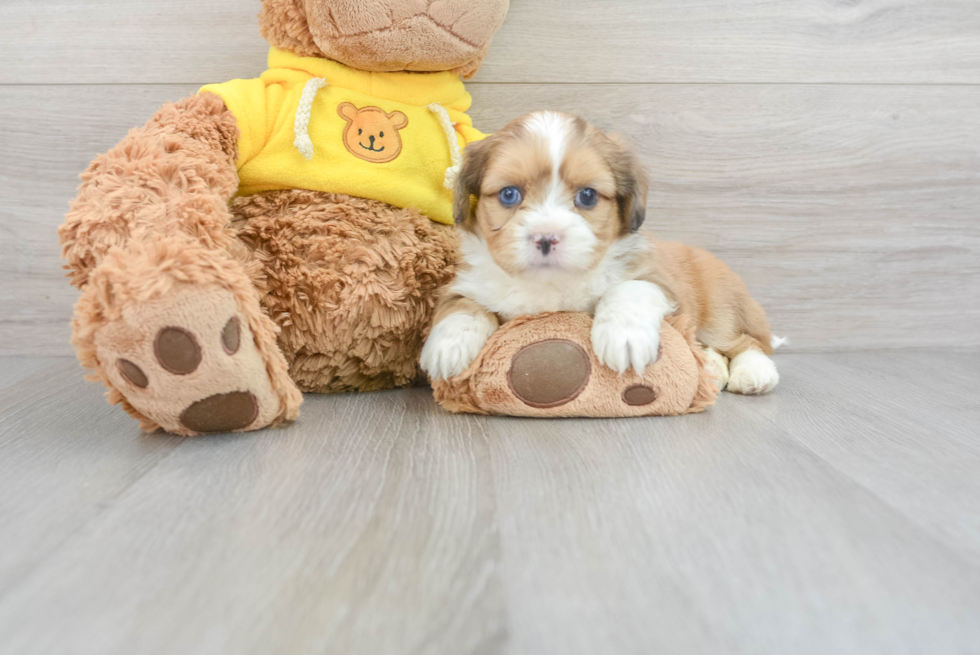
550,209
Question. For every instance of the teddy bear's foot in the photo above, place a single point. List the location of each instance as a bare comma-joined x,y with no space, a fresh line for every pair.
189,362
175,332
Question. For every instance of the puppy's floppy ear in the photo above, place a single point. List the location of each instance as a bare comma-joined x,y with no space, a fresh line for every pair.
631,185
475,160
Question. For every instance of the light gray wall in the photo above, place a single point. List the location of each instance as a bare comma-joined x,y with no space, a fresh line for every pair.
828,151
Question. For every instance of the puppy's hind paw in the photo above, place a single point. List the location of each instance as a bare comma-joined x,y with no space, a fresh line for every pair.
752,373
717,365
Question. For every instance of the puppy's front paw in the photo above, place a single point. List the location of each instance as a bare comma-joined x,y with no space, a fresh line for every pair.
620,346
454,343
626,329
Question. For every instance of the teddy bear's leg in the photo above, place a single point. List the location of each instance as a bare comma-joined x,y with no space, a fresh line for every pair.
179,339
350,281
169,319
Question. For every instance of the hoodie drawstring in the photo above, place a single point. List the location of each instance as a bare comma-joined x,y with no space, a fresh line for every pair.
303,143
454,152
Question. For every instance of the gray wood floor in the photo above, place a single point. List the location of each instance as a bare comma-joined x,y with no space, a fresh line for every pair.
839,515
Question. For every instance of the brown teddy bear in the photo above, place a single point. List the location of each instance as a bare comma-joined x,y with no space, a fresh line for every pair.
286,233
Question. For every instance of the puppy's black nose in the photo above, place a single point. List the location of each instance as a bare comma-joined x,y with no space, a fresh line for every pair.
546,242
371,139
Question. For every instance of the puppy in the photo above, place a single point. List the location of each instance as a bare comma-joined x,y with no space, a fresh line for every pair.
549,209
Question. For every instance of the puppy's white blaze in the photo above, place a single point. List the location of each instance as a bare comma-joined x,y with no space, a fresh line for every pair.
626,329
752,373
555,212
546,291
554,129
454,343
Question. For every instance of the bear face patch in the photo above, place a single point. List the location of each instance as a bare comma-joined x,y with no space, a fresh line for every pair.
371,133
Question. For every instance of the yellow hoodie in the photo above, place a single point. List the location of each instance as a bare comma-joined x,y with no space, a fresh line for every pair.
310,123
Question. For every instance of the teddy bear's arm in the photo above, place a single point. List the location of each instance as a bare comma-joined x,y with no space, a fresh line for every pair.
175,174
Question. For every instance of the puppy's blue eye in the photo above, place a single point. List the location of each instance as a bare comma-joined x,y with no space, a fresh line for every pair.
359,131
587,198
510,196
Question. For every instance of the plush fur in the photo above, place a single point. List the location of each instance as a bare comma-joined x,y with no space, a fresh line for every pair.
326,292
351,282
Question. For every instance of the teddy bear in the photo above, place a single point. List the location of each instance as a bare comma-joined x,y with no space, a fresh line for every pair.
282,234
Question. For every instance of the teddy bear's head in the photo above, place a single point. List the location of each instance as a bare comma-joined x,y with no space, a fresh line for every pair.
386,35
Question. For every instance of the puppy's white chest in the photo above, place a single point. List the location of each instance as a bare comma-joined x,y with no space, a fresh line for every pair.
509,296
510,299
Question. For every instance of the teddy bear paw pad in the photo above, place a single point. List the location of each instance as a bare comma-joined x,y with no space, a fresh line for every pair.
639,395
189,362
549,373
222,412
